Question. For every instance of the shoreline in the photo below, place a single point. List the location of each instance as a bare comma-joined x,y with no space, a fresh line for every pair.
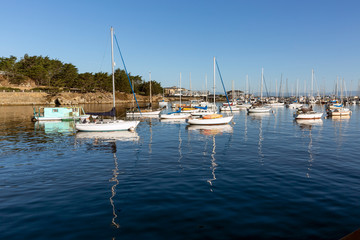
70,98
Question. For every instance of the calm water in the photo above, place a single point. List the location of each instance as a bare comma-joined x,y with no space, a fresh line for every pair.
266,177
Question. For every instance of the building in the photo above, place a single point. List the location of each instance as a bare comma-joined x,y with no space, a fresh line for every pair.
237,94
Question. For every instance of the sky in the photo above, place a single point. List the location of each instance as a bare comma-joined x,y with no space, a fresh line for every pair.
286,38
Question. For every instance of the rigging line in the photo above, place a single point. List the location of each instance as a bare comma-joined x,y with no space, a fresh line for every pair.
117,44
223,86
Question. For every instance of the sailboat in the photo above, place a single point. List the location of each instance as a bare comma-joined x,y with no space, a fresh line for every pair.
258,107
178,114
110,125
308,113
211,119
163,103
144,112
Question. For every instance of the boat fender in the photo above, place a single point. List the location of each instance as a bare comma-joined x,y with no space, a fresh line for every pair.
131,129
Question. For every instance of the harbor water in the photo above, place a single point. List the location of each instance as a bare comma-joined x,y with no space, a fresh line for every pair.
264,177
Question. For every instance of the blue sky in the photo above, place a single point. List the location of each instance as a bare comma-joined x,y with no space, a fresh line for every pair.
169,37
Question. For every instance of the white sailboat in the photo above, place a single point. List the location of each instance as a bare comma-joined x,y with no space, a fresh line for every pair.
145,112
110,125
307,113
211,119
178,114
259,108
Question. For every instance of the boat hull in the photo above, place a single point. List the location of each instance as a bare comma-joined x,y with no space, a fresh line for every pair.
259,110
175,116
138,114
117,125
305,116
214,121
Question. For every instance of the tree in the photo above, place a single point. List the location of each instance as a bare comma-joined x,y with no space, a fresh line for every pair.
155,88
121,81
67,77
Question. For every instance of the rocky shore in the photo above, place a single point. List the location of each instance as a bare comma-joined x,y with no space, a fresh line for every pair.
68,98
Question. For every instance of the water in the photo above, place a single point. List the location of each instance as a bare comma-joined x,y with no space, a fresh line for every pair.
266,177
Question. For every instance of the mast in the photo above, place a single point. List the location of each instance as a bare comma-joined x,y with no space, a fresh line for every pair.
206,91
150,90
247,88
113,65
262,80
214,85
233,89
190,84
312,83
180,90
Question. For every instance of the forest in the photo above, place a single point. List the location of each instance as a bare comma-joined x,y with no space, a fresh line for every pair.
54,74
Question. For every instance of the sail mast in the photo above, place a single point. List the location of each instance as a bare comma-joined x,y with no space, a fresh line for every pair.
262,80
214,85
113,65
150,90
206,91
180,90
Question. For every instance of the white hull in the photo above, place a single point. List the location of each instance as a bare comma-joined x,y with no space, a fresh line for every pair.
175,116
339,112
295,105
227,109
259,110
203,113
276,104
312,115
214,121
309,121
117,125
138,114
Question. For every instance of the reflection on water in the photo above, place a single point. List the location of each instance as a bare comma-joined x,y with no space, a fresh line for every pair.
210,130
109,136
173,120
261,155
213,164
113,187
40,173
341,118
55,126
307,125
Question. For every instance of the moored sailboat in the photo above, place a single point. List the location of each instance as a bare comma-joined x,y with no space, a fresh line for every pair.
211,119
109,125
307,113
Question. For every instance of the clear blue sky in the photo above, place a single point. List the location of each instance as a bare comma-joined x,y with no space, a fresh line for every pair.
168,37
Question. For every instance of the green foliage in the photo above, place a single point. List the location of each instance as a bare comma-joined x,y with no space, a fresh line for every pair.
155,88
54,74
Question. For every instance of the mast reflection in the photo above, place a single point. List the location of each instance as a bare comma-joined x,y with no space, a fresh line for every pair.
213,164
308,125
113,187
211,131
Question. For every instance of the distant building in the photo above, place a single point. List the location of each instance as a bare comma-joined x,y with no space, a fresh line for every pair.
174,91
237,94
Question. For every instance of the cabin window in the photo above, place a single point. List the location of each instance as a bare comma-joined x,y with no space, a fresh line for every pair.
55,110
74,109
